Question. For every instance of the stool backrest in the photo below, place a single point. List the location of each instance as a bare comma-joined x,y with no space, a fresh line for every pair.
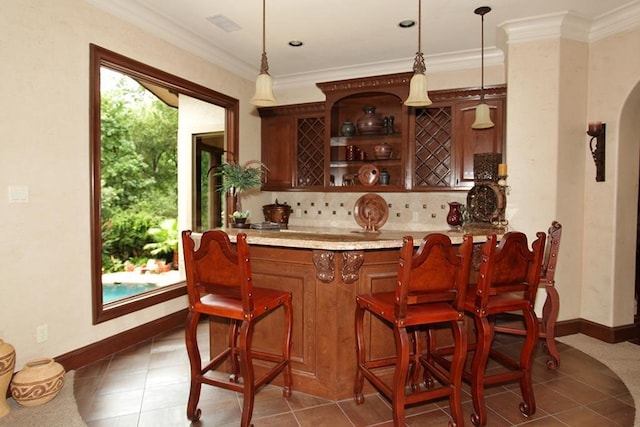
551,252
436,272
509,267
217,267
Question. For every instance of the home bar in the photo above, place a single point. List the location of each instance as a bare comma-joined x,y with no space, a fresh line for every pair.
325,269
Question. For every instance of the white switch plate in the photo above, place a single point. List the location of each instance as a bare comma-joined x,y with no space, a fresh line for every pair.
415,217
18,194
42,333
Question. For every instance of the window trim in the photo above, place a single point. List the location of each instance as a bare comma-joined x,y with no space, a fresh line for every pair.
100,57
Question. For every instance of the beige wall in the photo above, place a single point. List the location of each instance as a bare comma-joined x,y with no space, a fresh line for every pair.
45,253
610,206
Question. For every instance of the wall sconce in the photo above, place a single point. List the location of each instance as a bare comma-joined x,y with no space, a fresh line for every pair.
597,132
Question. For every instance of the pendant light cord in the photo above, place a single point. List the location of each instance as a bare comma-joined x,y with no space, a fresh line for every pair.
264,63
418,64
482,61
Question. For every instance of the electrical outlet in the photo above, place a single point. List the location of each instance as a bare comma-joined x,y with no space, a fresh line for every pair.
42,333
415,217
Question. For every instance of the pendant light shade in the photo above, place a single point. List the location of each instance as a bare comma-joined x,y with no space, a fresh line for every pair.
264,83
418,96
483,117
483,113
264,91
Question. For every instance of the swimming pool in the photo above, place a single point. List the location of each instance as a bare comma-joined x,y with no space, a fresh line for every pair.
116,291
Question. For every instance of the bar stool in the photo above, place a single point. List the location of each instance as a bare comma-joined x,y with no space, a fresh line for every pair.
508,281
551,307
219,284
430,290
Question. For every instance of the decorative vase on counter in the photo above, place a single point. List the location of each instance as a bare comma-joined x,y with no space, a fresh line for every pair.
7,363
38,382
454,217
348,128
371,123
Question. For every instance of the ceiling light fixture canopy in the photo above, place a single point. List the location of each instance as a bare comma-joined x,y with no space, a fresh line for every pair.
483,114
418,96
264,83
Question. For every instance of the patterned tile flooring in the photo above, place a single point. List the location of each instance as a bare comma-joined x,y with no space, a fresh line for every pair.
147,385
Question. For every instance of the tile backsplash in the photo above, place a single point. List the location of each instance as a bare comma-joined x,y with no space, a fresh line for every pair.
407,211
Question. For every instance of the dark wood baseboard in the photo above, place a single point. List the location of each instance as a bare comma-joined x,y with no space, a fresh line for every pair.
99,350
607,334
108,346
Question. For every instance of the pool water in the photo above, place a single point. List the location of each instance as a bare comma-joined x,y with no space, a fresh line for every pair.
116,291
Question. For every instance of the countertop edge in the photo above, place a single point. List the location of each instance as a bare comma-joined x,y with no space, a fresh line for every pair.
335,239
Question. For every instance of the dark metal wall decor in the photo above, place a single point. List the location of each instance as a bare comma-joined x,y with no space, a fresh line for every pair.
597,132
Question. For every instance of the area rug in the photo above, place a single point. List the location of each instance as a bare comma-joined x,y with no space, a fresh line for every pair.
62,411
622,358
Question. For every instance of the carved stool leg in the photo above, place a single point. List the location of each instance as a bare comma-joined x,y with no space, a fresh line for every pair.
360,355
549,318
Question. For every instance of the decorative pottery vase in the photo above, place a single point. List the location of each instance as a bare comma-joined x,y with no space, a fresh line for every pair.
384,177
348,129
7,363
352,152
382,151
454,217
38,382
371,123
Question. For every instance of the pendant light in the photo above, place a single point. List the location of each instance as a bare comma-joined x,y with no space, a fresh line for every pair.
418,96
483,115
264,83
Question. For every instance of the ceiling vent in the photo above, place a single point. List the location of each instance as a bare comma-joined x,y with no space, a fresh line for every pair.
224,23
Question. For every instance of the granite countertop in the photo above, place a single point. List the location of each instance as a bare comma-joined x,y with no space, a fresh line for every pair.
337,239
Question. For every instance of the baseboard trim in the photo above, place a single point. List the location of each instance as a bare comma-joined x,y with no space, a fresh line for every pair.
108,346
608,334
99,350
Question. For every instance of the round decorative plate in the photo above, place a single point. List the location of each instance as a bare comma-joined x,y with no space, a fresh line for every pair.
371,211
484,202
368,175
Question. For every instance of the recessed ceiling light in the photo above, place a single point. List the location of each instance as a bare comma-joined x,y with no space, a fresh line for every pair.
407,23
295,43
224,23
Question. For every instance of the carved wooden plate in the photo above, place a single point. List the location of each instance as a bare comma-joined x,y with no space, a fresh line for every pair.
368,175
371,210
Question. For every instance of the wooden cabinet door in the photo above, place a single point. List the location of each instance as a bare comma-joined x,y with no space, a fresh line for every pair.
468,141
442,143
278,151
293,145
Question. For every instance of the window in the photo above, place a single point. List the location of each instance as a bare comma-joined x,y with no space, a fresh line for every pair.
193,102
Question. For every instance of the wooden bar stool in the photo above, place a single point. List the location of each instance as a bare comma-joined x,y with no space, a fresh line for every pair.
551,307
219,284
430,290
508,282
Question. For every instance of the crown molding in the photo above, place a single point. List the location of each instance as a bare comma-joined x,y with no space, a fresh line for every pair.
573,26
177,35
621,19
435,63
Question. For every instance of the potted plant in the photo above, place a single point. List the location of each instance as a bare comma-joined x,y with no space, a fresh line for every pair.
165,238
238,179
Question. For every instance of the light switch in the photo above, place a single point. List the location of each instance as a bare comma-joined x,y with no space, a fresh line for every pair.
18,194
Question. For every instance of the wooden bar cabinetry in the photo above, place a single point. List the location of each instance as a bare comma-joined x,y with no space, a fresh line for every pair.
432,149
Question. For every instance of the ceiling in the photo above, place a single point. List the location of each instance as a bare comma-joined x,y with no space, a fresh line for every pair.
340,36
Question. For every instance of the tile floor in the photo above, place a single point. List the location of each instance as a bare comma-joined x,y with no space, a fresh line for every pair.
148,386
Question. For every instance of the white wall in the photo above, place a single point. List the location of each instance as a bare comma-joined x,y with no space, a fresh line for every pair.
45,261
